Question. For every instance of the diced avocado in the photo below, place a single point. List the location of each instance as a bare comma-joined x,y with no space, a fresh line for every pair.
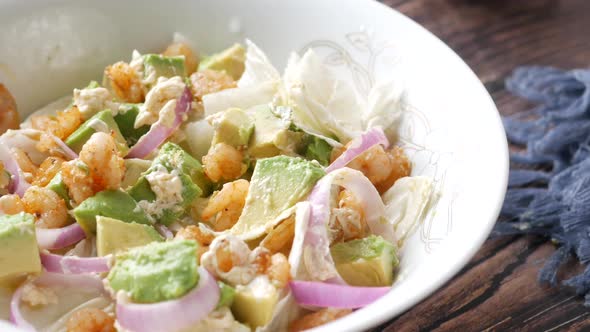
134,168
125,120
113,236
180,179
92,85
156,65
233,127
230,60
102,121
19,253
226,295
368,262
317,149
276,185
156,272
109,203
59,187
254,304
271,134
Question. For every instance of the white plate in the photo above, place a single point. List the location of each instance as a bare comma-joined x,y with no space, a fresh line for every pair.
452,131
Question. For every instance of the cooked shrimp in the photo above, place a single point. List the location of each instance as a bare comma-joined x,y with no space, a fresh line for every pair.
223,161
226,205
47,206
47,171
231,260
195,233
125,82
209,81
11,204
281,236
9,118
318,318
75,175
24,161
99,167
61,125
382,167
279,271
348,219
90,320
191,60
374,163
400,167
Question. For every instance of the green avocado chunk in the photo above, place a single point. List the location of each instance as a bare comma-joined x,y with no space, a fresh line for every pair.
233,127
180,179
156,65
254,304
368,262
230,60
277,184
113,236
125,120
102,121
317,149
271,134
109,203
19,253
59,187
226,295
156,272
134,169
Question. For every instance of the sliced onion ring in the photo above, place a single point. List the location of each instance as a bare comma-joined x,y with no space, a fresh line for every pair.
319,294
57,238
164,231
316,244
18,184
359,145
158,132
81,281
74,264
170,315
67,151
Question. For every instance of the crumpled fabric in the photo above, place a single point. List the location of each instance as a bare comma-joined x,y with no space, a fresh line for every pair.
549,183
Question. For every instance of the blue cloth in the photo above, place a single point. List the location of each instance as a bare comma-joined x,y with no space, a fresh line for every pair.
549,184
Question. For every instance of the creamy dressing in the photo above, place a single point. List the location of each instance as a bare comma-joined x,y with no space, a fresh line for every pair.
164,91
92,101
167,187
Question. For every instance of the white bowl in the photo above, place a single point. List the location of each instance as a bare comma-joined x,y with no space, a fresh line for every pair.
452,131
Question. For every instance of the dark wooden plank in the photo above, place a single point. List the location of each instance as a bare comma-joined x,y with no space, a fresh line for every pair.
498,289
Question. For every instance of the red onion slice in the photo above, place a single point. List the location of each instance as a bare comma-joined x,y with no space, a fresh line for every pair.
57,238
316,244
68,152
18,184
164,231
319,294
81,281
170,315
74,264
359,145
158,133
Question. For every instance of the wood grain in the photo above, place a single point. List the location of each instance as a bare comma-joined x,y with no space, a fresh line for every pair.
498,289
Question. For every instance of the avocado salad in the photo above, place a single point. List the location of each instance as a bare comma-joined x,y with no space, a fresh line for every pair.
204,193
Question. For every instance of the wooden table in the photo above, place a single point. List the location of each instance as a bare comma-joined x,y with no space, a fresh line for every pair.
498,289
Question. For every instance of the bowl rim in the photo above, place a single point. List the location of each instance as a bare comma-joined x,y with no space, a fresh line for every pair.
371,316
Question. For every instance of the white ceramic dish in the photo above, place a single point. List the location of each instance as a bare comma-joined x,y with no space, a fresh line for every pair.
452,129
